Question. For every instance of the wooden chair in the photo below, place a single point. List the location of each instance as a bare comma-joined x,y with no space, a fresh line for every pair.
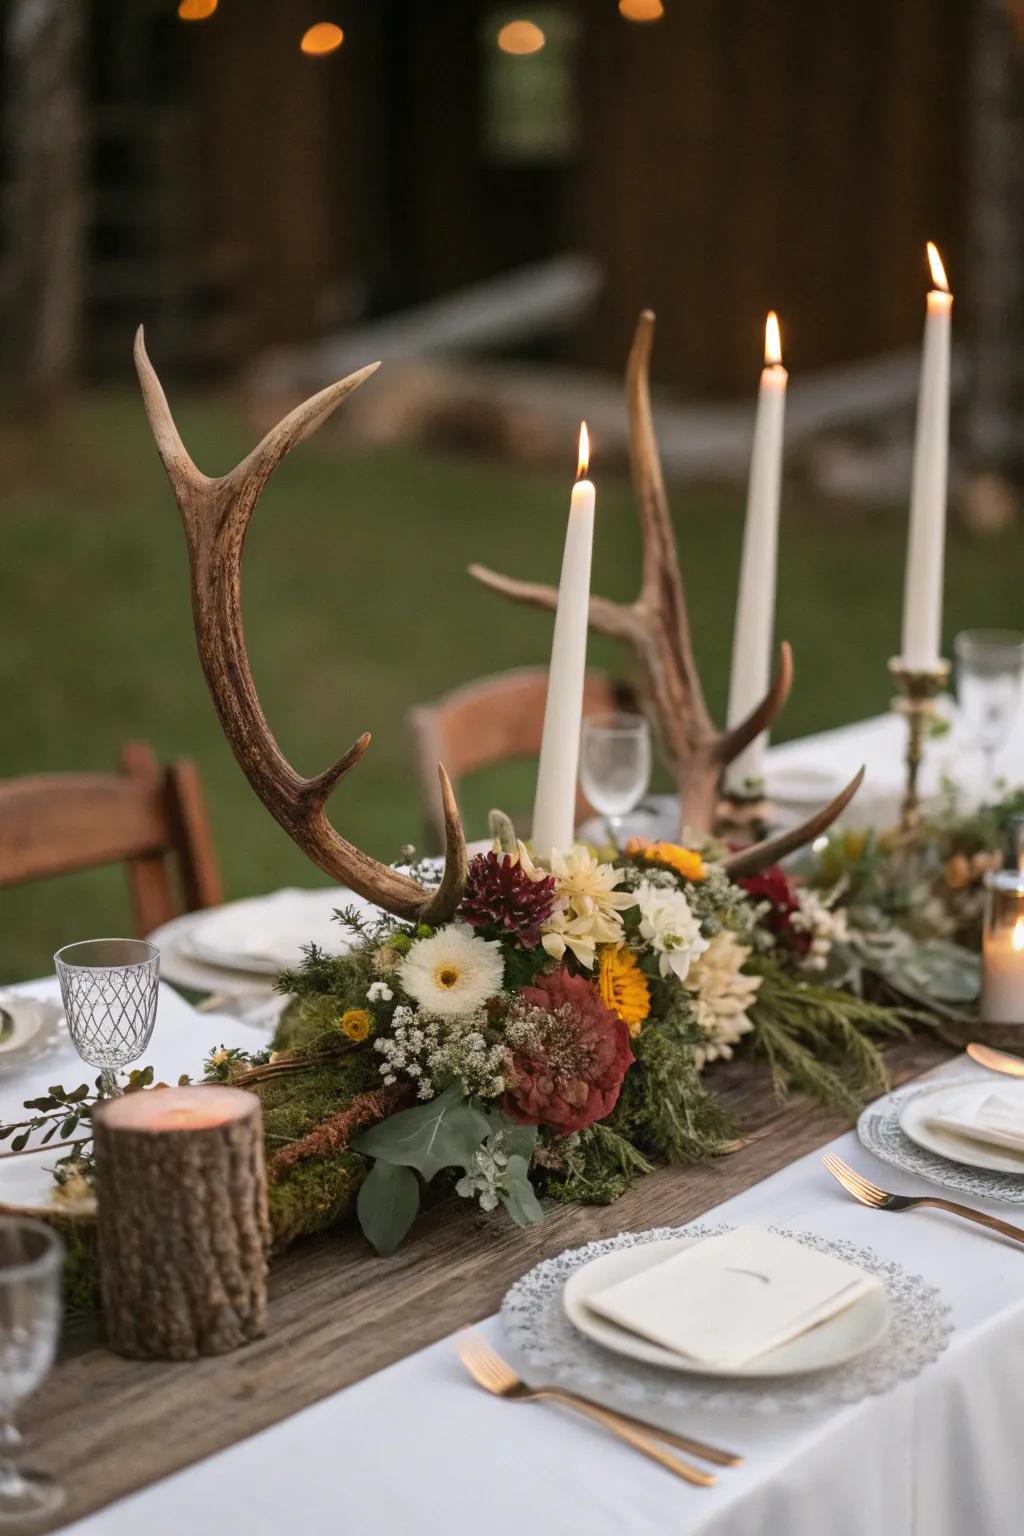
152,820
493,720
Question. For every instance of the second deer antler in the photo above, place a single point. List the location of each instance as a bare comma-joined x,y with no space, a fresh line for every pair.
657,628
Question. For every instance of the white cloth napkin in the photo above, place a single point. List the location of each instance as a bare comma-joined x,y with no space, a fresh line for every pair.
728,1299
997,1121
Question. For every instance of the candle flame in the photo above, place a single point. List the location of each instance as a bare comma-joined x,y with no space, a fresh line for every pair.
584,459
938,270
1017,937
772,339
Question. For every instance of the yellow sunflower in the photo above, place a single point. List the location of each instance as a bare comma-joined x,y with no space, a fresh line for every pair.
624,987
685,861
356,1023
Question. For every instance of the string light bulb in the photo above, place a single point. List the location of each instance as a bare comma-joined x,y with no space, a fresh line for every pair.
521,37
322,38
196,10
641,10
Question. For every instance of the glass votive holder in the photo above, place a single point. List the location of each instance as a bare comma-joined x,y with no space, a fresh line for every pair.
1002,948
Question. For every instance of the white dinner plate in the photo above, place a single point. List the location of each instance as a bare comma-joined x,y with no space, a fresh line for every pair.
180,967
935,1098
27,1183
266,934
829,1344
36,1029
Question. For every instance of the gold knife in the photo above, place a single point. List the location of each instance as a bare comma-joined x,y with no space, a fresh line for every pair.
996,1061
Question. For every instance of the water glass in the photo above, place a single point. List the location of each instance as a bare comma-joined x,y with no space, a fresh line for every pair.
31,1255
615,765
109,988
990,688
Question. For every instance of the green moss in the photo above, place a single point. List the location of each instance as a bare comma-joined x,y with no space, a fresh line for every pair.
314,1195
81,1266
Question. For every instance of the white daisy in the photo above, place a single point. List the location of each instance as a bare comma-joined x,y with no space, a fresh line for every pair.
670,928
453,972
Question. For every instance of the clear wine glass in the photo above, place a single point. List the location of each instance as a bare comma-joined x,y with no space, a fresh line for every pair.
31,1255
110,989
615,766
990,688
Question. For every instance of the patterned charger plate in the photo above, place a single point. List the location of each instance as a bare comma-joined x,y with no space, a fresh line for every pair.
880,1132
548,1349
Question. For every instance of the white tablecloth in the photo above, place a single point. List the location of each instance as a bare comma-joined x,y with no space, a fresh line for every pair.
418,1450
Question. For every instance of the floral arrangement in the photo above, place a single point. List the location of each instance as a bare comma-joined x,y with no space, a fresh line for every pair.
554,1039
566,1031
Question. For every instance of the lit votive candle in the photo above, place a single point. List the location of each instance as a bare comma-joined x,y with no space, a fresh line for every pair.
1002,948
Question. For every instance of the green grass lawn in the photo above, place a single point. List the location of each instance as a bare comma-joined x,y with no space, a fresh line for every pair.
357,605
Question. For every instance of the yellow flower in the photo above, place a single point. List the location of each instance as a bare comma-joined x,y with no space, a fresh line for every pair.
685,861
356,1023
624,987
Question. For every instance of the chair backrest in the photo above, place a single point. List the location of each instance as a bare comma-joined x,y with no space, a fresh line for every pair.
152,820
492,720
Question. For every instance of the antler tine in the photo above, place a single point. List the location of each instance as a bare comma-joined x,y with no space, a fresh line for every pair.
662,594
749,861
216,514
732,742
174,455
608,618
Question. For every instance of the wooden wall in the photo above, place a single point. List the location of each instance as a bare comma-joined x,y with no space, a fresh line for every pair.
744,155
735,156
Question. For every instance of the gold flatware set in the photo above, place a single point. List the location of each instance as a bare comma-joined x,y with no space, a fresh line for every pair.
496,1376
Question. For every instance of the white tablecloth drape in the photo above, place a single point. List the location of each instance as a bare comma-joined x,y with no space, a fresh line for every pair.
417,1450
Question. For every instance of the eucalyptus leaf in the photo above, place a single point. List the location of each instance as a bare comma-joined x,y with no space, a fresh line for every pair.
517,1140
517,1194
443,1133
388,1201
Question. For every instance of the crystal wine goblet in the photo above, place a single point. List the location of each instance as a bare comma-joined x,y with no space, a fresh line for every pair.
109,988
31,1255
990,688
615,765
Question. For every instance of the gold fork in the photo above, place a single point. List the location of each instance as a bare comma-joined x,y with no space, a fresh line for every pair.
996,1061
867,1193
496,1376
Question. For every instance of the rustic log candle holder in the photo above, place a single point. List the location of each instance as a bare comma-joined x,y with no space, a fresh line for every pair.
182,1221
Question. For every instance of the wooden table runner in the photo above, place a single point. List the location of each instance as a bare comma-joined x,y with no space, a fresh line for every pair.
106,1426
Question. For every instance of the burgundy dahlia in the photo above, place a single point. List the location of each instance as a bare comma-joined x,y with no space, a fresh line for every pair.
504,902
571,1072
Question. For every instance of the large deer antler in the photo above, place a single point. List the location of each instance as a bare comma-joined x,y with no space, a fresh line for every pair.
657,628
216,514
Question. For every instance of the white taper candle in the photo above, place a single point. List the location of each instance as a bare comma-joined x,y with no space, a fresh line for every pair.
554,807
922,597
755,606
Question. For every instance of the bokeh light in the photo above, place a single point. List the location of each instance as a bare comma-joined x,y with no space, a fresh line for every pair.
324,37
642,10
196,10
521,37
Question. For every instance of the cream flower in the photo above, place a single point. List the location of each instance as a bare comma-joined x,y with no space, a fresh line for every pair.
826,926
722,995
670,928
453,972
588,907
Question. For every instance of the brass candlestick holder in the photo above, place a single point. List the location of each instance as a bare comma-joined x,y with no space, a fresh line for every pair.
919,687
